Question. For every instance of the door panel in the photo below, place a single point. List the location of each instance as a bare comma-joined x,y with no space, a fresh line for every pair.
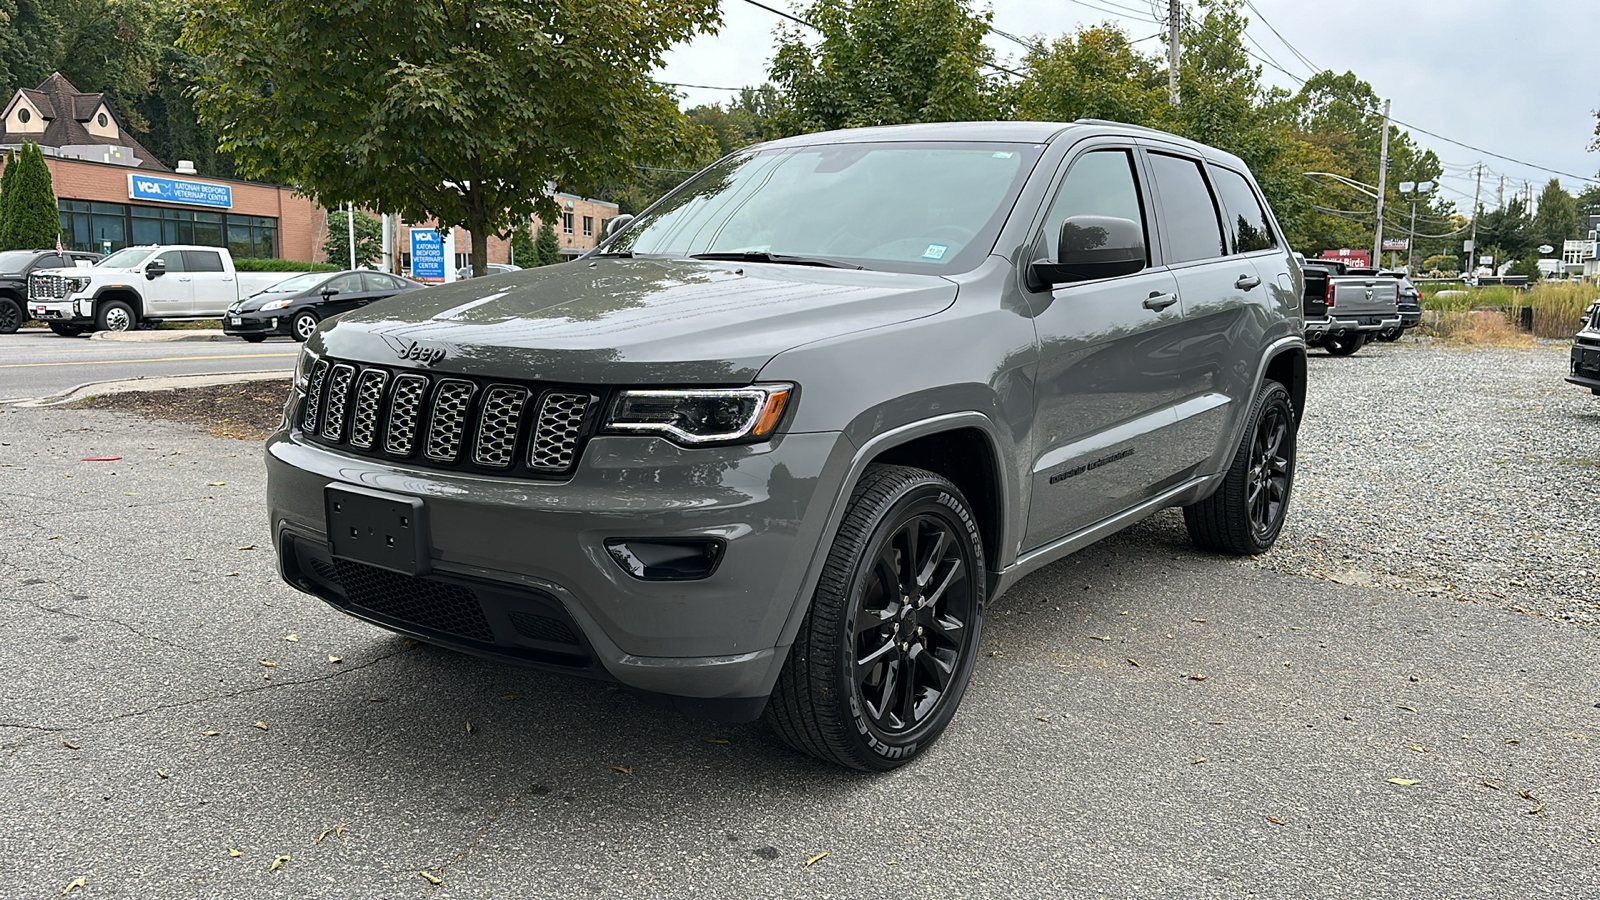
214,287
169,294
1108,376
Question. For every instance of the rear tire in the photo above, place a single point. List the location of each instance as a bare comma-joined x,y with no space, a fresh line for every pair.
11,316
114,315
65,330
1346,345
885,652
1247,512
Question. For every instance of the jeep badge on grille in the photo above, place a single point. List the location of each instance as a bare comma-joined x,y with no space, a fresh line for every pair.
426,355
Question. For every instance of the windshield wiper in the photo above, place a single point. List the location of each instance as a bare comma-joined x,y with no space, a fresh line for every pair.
785,259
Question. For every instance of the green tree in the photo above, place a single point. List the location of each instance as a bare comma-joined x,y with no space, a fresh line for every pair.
523,252
1506,233
1094,73
6,178
1527,266
460,111
884,62
31,218
1557,219
369,239
547,251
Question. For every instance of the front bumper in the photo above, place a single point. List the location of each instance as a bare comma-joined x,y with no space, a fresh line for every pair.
514,551
1340,325
1585,367
256,324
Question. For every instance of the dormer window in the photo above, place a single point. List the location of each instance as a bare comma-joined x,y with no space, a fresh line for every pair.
24,115
101,120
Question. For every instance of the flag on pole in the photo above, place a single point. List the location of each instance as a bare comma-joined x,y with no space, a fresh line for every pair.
58,242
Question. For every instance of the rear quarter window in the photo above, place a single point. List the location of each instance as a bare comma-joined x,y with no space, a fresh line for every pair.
1247,223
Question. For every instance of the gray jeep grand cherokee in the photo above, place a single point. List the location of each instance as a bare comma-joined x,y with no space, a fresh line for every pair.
773,448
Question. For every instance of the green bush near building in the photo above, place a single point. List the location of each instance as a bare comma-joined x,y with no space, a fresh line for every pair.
548,248
29,203
282,265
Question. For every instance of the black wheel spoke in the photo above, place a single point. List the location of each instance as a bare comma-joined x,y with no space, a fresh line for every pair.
866,664
934,556
933,598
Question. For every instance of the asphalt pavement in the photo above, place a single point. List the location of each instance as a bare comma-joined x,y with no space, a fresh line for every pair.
1146,721
36,363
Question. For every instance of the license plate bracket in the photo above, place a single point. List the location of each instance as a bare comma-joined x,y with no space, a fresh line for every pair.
378,528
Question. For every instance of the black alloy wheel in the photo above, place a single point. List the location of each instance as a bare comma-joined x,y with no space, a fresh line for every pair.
1246,513
304,325
885,652
10,316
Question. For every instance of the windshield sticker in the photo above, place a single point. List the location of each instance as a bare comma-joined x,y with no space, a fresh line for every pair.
935,251
1002,154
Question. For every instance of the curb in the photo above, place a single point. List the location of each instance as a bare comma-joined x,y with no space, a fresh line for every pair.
147,385
162,337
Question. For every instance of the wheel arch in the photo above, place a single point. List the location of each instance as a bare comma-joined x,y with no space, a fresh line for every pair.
969,459
124,294
1288,368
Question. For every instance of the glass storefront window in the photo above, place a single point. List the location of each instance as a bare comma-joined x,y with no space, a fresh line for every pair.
84,225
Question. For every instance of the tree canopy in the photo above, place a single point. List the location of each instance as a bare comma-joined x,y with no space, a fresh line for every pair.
30,218
461,111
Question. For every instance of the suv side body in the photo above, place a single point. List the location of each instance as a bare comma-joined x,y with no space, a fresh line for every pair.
1035,418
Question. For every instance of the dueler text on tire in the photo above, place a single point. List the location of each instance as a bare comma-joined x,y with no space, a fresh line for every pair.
1247,512
885,652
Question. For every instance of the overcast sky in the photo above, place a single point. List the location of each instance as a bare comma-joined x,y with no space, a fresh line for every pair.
1519,79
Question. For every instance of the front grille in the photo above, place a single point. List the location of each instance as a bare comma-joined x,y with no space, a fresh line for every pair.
47,287
542,628
448,421
434,605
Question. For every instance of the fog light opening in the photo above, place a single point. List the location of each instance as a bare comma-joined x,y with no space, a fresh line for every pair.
666,559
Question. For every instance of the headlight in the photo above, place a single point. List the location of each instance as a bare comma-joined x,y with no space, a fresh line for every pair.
302,368
277,304
74,285
702,416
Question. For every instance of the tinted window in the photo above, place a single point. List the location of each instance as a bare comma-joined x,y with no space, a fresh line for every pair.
203,261
1247,221
1100,183
50,261
173,260
1188,212
377,281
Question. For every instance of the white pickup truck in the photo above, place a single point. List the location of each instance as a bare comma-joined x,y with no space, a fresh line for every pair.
140,286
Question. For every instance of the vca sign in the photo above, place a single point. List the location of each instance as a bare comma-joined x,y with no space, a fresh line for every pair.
155,189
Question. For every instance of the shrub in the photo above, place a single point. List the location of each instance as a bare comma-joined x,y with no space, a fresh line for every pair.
281,265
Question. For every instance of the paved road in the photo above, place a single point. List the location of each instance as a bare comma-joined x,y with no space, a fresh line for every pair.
144,634
37,363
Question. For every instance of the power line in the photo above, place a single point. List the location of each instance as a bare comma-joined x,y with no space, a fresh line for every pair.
1292,49
1118,11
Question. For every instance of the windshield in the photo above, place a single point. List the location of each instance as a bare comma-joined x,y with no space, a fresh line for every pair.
297,284
900,207
14,261
125,259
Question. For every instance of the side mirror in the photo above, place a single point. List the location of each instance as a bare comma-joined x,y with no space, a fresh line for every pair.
1090,247
328,291
155,267
617,223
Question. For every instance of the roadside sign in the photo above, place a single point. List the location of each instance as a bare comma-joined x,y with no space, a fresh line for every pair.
427,253
1395,243
1466,246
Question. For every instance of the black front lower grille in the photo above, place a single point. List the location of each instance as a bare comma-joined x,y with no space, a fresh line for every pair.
434,605
448,421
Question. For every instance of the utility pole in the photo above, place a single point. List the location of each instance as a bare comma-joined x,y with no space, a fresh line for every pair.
1472,252
1383,171
350,219
1500,195
1174,19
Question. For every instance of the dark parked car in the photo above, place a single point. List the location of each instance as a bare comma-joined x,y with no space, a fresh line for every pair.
1408,299
16,266
1586,351
775,446
465,272
295,306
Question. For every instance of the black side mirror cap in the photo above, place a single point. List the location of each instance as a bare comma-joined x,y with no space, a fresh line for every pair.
1090,247
153,268
329,291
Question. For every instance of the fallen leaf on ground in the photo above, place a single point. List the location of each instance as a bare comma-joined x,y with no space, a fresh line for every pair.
210,733
292,638
278,863
1510,741
215,483
1219,722
1132,662
1528,795
716,740
408,643
507,698
245,547
260,725
431,878
1201,621
163,773
469,726
815,858
1198,761
77,884
268,663
376,699
70,745
1096,637
336,659
1406,708
234,853
1491,785
1416,749
626,770
1274,820
101,459
1404,781
336,831
1198,676
231,575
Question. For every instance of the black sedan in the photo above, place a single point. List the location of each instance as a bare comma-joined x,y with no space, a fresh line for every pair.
294,307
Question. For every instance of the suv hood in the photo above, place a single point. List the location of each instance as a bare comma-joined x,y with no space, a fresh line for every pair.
623,321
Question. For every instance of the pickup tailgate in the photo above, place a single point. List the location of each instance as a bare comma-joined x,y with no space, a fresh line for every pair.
1361,295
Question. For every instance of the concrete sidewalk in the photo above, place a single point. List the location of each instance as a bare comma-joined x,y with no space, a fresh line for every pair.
163,337
147,385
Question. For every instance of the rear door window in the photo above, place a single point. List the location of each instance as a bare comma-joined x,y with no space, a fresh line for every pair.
203,261
377,282
1248,227
1187,211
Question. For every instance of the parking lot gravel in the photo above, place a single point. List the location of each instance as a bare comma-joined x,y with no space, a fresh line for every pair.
1466,473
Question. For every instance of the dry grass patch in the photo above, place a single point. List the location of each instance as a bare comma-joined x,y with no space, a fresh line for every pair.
244,412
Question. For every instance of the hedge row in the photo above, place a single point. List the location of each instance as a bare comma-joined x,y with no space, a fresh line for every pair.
281,265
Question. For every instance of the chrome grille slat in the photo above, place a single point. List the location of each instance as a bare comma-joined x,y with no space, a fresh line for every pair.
404,412
555,441
338,400
313,413
448,419
369,401
496,443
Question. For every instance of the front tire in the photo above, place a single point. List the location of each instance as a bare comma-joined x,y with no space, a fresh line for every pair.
11,317
114,315
1246,514
303,326
884,654
1345,345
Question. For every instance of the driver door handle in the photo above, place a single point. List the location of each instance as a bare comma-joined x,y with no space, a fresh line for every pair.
1158,301
1246,282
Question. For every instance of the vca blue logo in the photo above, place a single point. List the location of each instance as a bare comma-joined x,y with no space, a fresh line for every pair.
158,188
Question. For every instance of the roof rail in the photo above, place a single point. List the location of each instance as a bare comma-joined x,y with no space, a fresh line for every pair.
1123,125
